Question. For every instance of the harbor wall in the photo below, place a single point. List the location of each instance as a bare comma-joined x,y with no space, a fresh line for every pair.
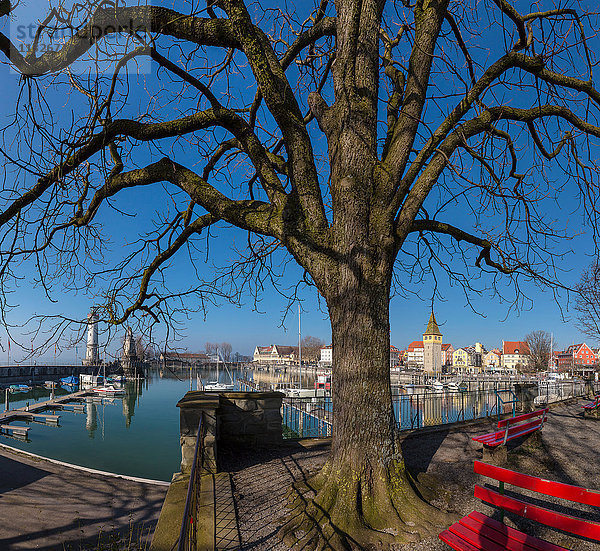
40,373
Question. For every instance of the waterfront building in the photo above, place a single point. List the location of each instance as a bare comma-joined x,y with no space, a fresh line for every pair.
394,356
432,347
415,355
276,354
515,355
468,359
580,359
92,356
492,361
447,352
326,356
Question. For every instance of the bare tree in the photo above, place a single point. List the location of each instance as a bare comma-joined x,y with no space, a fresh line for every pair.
540,345
268,120
587,302
311,348
225,350
211,348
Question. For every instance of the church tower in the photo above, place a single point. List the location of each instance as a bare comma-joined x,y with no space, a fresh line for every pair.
432,347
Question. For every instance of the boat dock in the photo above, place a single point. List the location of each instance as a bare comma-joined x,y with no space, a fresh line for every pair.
33,413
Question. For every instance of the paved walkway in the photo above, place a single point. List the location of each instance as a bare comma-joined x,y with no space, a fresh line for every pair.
570,454
50,507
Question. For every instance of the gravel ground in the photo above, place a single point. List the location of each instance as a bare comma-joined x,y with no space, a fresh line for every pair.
568,452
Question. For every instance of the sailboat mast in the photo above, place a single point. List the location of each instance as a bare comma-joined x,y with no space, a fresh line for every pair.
299,346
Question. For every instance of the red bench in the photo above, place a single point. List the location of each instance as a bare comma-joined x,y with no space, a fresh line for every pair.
593,406
513,427
477,531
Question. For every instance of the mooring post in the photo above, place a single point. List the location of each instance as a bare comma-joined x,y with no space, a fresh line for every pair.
6,404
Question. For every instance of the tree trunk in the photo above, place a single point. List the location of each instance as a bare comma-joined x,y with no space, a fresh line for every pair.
363,497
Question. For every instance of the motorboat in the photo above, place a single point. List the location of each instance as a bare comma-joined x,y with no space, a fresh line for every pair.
109,390
218,387
437,386
71,381
19,388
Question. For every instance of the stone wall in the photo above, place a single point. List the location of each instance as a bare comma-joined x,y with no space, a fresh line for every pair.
231,419
250,418
39,373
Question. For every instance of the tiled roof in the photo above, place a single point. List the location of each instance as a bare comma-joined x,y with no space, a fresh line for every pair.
415,344
515,347
432,326
264,349
286,350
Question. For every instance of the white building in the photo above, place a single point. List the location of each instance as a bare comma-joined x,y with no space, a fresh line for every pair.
515,354
415,355
326,356
276,354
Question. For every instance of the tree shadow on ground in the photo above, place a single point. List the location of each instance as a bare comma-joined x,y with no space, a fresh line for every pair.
14,474
234,458
418,449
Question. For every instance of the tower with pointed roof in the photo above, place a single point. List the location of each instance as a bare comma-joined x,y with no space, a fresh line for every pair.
432,345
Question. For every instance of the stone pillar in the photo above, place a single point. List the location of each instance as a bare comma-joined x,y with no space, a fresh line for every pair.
526,393
250,418
193,406
230,418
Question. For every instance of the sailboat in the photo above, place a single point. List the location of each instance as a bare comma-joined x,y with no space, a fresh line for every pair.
107,390
216,386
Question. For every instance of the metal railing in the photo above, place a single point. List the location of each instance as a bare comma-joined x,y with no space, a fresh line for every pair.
313,417
189,524
550,391
307,417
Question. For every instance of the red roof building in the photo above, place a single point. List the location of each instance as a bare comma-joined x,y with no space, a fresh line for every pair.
577,355
447,351
515,354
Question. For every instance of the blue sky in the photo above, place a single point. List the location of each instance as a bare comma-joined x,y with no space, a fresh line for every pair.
245,328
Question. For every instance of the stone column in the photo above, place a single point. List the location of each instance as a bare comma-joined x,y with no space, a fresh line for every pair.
231,418
193,406
526,393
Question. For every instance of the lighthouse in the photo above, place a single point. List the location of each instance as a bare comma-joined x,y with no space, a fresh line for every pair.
91,351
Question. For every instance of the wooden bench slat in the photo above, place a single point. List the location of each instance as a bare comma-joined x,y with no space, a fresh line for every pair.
496,438
513,427
540,485
479,521
480,541
456,542
523,417
567,523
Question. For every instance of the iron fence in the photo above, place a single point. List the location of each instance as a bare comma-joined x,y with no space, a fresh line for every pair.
313,417
189,525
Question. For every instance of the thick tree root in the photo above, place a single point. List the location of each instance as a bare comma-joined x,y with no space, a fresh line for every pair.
341,509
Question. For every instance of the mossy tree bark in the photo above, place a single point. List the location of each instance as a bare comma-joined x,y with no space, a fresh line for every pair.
364,497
